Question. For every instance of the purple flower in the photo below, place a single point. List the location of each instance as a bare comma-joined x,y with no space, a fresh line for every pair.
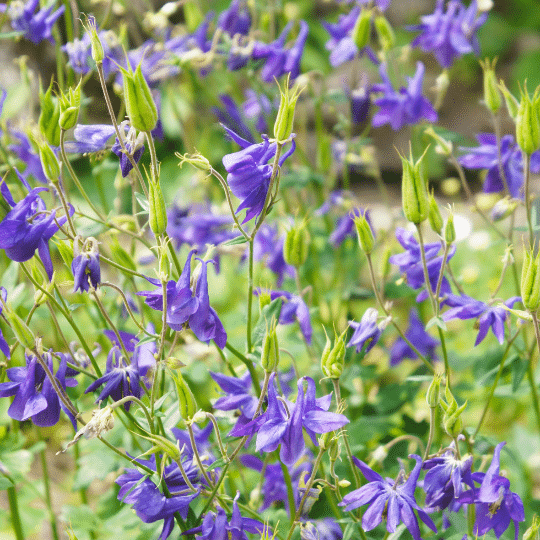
270,245
4,347
239,394
149,503
231,117
134,145
496,505
235,19
410,263
444,480
464,307
24,151
29,226
257,106
418,336
341,42
449,34
90,138
35,396
360,103
405,106
35,26
249,173
367,331
321,529
485,156
85,266
393,498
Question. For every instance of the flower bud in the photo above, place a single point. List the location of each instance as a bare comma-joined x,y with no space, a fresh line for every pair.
270,348
532,532
157,208
333,358
296,246
434,216
503,208
444,147
69,107
530,281
453,424
362,29
197,160
174,363
285,117
433,396
49,116
344,484
186,400
163,445
264,299
450,230
97,48
385,32
492,96
527,123
512,104
442,82
23,334
49,162
365,234
140,105
413,190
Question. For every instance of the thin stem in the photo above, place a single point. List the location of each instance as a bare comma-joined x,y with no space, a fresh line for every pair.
527,182
133,461
196,454
249,365
60,192
14,511
432,411
250,293
530,371
48,498
290,492
502,174
212,419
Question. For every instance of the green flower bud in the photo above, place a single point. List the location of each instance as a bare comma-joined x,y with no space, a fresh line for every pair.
527,123
434,216
186,400
385,265
442,82
413,190
365,234
285,117
264,299
157,208
163,445
270,348
23,334
532,532
453,424
333,358
512,104
385,32
492,96
444,147
49,116
49,162
197,160
69,107
530,281
296,247
140,106
362,29
433,396
450,230
97,48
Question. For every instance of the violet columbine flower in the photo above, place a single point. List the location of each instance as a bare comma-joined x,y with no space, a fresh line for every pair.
217,527
25,152
451,33
404,106
444,480
321,529
486,156
29,226
341,42
148,501
85,265
231,117
417,335
35,397
360,100
269,245
239,394
35,26
249,172
496,505
464,307
410,263
394,499
367,331
134,145
235,20
4,347
202,442
257,106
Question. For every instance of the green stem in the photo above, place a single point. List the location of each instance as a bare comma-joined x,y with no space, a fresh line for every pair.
250,294
48,499
132,461
14,511
290,492
432,411
527,182
249,365
530,371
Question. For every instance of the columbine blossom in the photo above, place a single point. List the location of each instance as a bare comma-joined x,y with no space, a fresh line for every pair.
85,266
249,172
367,331
268,245
417,335
451,33
36,26
25,152
410,263
321,529
235,20
35,397
394,499
404,106
341,42
486,156
239,395
496,505
464,307
258,106
231,116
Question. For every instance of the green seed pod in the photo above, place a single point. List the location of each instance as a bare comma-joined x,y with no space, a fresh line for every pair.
450,230
333,358
433,396
530,281
532,532
49,116
527,123
285,117
492,96
97,48
157,209
197,160
264,299
413,190
186,400
270,348
69,107
365,234
163,445
23,334
296,247
512,104
453,424
362,29
385,32
49,162
434,216
140,105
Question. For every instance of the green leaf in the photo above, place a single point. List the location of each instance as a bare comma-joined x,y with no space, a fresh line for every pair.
436,321
218,463
5,483
273,309
235,241
519,367
141,199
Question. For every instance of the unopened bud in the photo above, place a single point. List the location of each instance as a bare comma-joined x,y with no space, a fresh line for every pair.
69,107
285,117
186,400
344,484
532,532
333,358
365,234
197,160
296,246
434,216
492,96
442,82
450,230
385,32
264,299
530,281
362,29
49,162
527,123
453,424
433,396
413,190
157,208
97,48
270,348
23,334
174,363
49,116
512,104
444,147
140,105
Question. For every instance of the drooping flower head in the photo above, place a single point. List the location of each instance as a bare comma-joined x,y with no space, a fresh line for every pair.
85,265
36,26
26,153
367,332
451,33
394,499
404,106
